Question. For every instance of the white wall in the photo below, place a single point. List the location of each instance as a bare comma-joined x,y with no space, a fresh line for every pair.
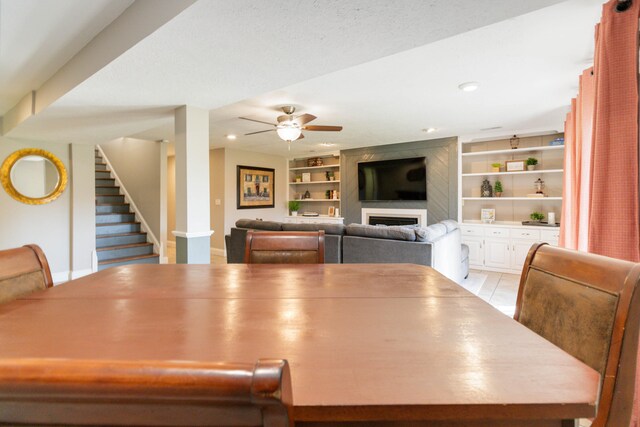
232,159
141,166
49,226
223,186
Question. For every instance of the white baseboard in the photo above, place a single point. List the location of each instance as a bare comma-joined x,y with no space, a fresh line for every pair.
218,252
81,273
164,260
60,277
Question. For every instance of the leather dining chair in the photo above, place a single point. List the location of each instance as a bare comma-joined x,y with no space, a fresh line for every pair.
589,306
284,247
47,392
22,271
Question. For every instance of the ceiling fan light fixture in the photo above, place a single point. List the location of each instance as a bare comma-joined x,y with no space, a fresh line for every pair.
288,132
231,137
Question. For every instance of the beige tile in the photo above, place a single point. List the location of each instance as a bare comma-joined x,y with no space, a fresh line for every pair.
171,255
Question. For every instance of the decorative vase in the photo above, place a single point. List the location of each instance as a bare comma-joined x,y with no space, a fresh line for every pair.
514,142
498,193
307,195
531,167
486,190
495,169
294,213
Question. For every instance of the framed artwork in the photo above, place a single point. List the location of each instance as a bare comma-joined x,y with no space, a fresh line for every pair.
332,211
514,165
488,215
255,187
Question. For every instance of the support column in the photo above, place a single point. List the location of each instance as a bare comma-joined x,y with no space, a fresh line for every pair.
193,228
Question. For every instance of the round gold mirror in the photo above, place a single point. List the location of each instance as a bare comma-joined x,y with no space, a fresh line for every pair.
33,176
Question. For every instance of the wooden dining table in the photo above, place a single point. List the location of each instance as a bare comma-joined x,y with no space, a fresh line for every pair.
384,343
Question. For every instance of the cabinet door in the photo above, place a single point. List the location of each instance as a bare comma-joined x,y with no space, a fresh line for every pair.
476,253
519,252
496,253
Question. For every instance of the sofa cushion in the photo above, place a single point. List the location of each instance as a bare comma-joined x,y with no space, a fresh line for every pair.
377,232
450,224
431,233
465,252
335,229
255,224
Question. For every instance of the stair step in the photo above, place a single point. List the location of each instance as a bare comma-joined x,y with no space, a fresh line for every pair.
112,208
109,199
101,167
120,239
142,259
103,175
112,218
105,182
117,228
124,251
109,190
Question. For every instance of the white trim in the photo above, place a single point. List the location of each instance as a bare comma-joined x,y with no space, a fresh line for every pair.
218,252
60,277
192,234
80,273
157,247
420,214
164,260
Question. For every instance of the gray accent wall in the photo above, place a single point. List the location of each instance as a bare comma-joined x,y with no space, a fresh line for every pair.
442,178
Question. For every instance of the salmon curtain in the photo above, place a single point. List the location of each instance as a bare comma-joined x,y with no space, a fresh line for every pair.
600,207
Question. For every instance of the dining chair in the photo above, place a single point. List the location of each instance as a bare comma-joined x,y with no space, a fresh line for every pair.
589,306
22,271
284,247
47,392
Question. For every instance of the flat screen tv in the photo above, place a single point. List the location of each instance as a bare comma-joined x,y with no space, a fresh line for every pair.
397,179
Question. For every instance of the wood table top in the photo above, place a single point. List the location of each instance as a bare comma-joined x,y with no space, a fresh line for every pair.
365,342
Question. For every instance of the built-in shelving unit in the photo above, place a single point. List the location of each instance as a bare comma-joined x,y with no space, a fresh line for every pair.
504,244
323,186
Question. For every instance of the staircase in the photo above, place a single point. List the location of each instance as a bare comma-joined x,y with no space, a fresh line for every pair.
119,240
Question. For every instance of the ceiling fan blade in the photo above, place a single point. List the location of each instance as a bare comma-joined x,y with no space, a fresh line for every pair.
300,137
323,128
304,118
283,118
260,131
257,121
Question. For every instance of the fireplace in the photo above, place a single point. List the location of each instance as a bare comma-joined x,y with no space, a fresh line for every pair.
387,216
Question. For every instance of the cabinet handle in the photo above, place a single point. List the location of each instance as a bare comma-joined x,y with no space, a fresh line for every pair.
525,234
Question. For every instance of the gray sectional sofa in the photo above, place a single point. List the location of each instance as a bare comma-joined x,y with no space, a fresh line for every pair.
438,245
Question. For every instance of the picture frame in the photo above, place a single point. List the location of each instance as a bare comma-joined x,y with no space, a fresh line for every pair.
488,215
332,211
255,187
306,177
514,165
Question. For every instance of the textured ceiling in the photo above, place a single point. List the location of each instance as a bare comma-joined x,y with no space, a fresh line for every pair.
384,70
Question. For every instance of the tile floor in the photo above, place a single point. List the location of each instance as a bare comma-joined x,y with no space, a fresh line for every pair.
498,289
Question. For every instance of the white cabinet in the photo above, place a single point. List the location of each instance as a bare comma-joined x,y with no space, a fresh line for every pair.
503,247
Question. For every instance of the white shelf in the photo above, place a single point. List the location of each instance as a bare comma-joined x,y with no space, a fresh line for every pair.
512,198
315,168
318,200
516,150
315,182
514,173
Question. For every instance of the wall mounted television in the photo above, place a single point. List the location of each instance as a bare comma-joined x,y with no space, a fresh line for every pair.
397,179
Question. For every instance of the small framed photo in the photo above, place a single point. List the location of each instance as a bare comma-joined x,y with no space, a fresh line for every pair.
514,165
306,177
488,215
332,211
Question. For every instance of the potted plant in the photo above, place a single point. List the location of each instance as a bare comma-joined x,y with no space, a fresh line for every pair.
531,163
497,188
495,167
294,205
537,216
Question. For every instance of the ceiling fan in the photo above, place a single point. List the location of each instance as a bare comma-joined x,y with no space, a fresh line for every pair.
289,128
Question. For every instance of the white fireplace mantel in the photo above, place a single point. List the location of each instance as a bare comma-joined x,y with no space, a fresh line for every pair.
420,214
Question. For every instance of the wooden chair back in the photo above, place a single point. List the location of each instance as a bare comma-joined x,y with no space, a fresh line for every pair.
22,271
284,247
589,306
144,393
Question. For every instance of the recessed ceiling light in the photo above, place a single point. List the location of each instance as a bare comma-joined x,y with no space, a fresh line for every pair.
231,137
429,130
469,86
327,144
